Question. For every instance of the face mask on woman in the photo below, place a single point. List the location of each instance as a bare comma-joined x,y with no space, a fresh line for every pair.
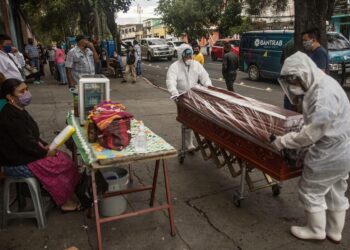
7,48
25,99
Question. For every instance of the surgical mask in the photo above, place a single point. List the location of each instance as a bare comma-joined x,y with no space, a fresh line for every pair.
7,48
188,62
307,45
296,90
25,99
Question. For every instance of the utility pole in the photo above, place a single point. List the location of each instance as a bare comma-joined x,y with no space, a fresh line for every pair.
139,12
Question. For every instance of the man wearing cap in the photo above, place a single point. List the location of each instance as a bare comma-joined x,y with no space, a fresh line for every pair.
81,60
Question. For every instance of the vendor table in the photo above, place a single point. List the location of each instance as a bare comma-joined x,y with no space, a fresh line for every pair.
97,157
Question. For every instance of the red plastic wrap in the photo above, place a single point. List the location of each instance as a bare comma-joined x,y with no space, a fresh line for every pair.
241,125
250,118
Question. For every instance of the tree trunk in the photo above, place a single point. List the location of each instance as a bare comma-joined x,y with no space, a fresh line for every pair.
113,28
312,14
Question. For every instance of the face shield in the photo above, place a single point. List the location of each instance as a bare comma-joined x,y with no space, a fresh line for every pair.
291,87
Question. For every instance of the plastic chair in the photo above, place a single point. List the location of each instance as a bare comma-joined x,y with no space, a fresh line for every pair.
35,192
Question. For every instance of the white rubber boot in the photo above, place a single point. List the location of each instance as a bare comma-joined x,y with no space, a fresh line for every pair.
335,225
189,140
315,228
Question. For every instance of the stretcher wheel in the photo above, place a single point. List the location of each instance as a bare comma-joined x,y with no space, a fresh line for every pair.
237,200
181,159
276,189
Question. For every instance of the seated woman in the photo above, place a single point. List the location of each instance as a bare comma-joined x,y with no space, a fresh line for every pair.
24,154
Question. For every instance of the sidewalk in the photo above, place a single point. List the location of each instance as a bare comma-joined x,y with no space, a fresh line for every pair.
205,216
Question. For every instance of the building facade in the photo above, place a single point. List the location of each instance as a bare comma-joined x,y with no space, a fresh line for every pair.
270,19
153,27
131,31
341,17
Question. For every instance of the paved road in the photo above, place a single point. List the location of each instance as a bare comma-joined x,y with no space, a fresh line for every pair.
267,91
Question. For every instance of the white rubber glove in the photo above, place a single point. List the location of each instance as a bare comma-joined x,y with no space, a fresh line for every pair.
277,143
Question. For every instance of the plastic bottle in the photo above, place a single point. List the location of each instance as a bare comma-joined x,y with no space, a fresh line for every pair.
92,132
62,137
141,140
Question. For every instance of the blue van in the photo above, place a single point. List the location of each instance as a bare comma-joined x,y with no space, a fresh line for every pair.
260,53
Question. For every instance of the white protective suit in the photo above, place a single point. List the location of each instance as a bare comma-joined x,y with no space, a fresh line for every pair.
326,133
181,78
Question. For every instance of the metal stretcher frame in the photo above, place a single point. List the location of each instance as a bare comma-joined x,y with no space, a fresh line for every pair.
247,154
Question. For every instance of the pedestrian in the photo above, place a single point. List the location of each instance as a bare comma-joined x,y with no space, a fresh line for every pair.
80,60
312,46
229,66
98,65
42,57
51,54
59,60
182,75
130,64
11,60
326,138
24,154
137,49
32,53
198,56
207,45
117,64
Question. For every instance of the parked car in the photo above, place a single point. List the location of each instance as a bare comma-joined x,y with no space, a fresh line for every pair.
217,50
155,48
260,53
175,47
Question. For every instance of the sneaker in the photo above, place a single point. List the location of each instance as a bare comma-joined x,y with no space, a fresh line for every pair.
133,81
41,81
124,81
36,82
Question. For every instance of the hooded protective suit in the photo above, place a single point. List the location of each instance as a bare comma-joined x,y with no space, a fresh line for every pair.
326,133
180,77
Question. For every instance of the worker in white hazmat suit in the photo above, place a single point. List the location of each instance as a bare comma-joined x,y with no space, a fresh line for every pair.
184,74
326,135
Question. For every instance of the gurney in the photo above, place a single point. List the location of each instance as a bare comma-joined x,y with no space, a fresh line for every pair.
234,131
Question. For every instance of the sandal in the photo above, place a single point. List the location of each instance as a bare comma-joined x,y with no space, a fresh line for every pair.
77,208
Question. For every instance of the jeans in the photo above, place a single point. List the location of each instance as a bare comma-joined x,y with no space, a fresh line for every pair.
138,68
98,67
62,71
229,80
35,62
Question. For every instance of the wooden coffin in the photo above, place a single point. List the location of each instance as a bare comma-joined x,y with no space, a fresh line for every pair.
240,125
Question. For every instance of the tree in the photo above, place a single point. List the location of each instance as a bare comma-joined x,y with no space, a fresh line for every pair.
230,18
110,7
308,14
46,19
191,17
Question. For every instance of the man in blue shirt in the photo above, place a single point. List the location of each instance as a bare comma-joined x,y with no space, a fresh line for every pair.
314,49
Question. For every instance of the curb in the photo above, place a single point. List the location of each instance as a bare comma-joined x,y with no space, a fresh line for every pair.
156,86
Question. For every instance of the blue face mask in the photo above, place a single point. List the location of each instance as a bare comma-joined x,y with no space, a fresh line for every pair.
7,48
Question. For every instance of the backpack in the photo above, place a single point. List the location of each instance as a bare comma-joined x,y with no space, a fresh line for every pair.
131,58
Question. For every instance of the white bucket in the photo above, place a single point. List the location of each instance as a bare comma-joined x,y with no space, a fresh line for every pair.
117,179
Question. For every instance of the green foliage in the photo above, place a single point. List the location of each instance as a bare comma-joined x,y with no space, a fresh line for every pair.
55,19
230,18
246,25
256,7
191,17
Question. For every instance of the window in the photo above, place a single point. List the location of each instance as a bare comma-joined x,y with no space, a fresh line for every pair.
156,42
219,43
337,41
